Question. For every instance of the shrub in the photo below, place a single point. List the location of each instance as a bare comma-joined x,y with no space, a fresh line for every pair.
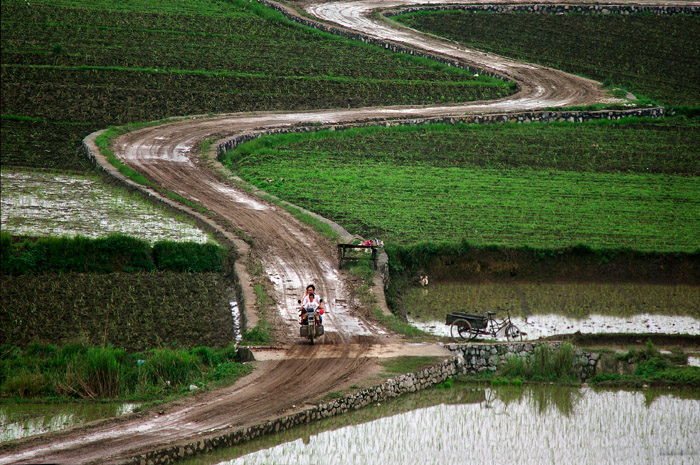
256,335
97,373
25,384
170,367
543,364
188,256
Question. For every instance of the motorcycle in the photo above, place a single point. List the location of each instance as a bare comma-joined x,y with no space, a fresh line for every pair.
311,327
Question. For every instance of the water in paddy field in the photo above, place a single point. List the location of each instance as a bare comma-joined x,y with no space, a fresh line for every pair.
23,420
547,309
538,326
468,424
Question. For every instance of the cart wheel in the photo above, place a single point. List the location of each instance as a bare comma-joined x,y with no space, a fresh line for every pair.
513,333
461,328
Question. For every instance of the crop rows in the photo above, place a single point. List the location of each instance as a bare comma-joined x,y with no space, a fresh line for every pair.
656,56
130,310
79,62
490,202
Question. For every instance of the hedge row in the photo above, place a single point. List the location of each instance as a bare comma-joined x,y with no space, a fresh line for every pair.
116,252
465,262
426,255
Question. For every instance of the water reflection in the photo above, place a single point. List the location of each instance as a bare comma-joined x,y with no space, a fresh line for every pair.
23,420
510,425
538,326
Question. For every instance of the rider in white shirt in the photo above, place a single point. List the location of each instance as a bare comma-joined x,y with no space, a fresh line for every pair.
312,301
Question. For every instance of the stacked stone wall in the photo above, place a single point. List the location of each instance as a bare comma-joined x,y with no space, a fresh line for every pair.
477,358
469,359
521,117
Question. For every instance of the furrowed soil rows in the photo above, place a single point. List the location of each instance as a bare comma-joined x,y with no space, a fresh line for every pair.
136,311
667,69
85,64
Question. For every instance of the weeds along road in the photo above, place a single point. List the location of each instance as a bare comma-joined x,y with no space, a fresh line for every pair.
292,254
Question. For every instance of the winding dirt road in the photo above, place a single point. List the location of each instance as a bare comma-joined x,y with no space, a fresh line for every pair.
292,255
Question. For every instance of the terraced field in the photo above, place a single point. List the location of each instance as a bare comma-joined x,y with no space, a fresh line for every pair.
70,68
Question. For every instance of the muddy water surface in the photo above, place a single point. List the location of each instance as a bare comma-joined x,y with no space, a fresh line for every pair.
506,425
23,420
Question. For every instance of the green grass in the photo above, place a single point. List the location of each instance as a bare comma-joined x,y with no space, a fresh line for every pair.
79,370
72,67
653,367
544,364
538,185
663,65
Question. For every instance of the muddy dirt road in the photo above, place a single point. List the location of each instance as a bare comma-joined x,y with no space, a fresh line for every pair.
292,255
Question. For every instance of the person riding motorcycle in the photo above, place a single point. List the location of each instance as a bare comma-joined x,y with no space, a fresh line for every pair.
311,300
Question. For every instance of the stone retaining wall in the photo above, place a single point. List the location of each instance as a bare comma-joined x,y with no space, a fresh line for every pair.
477,358
469,359
522,117
391,388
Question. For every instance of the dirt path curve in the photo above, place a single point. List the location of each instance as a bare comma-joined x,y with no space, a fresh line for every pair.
292,255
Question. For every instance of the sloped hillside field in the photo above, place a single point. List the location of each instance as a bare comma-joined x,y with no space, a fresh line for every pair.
540,185
70,68
662,66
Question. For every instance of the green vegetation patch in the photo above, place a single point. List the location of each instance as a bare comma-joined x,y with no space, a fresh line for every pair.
79,370
115,252
544,364
135,311
539,185
652,366
72,67
665,65
401,365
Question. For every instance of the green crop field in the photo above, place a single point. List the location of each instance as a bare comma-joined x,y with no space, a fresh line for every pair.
655,56
627,184
134,311
72,67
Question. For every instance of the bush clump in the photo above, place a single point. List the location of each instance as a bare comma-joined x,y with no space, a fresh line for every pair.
544,364
116,252
79,370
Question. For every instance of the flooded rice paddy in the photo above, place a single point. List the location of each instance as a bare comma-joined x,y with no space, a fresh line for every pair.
467,424
548,309
538,326
38,204
22,420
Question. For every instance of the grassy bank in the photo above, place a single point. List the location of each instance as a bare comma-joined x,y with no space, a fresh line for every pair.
79,370
72,67
663,66
536,185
